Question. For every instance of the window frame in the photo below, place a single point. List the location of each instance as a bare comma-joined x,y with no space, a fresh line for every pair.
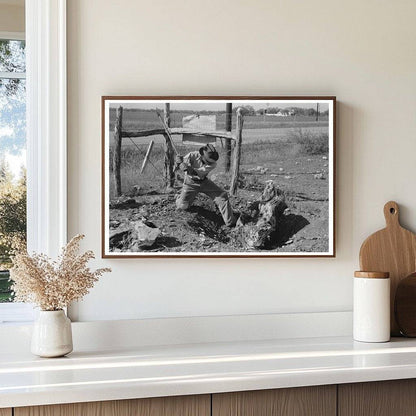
46,137
12,35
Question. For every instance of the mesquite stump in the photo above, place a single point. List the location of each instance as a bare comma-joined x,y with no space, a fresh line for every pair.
265,215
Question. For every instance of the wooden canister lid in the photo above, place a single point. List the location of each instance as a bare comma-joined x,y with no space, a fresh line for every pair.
372,275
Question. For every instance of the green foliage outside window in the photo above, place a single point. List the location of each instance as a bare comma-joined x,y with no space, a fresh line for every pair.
12,223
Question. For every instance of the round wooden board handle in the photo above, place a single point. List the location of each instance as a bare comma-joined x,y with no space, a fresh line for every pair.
391,214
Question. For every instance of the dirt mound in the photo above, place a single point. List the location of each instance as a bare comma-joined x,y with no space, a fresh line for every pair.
201,227
264,224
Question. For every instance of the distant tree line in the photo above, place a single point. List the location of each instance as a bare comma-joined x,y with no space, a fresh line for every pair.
247,110
288,111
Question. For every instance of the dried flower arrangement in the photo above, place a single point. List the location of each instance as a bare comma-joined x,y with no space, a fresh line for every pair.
53,285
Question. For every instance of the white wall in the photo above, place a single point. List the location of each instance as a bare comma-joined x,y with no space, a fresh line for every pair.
361,51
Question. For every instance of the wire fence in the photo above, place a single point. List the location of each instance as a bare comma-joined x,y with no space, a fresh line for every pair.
266,140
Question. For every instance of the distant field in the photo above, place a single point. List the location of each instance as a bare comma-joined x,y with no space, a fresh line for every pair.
249,135
141,120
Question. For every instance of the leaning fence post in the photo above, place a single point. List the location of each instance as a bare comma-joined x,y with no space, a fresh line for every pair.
237,152
228,127
117,150
169,153
146,158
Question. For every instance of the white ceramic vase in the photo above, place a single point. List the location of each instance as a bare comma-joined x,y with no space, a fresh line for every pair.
52,334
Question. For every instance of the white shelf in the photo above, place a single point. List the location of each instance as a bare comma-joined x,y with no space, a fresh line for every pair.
150,371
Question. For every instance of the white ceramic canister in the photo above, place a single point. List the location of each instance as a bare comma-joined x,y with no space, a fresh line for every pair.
371,313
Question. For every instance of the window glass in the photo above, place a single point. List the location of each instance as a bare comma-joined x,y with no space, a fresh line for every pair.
12,56
12,156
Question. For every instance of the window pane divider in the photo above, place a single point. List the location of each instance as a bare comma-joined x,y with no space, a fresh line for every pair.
12,35
12,75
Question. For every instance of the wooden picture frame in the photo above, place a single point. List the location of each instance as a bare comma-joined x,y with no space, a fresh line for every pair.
275,175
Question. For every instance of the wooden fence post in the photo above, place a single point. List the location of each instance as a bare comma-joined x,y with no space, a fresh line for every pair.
228,127
237,152
117,150
169,153
146,158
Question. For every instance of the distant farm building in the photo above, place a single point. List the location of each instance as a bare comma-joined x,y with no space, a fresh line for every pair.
282,113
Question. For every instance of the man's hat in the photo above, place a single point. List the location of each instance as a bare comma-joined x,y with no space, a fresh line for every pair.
210,152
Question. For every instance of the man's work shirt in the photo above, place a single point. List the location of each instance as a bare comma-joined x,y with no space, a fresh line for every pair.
201,169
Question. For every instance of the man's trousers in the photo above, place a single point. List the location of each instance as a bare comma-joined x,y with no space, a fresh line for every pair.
191,189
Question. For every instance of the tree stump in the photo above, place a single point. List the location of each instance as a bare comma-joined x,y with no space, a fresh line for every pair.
271,206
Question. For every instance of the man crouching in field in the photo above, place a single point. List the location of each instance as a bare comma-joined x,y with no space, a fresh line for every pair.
197,165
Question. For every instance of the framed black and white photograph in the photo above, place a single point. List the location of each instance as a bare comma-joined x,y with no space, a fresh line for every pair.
218,176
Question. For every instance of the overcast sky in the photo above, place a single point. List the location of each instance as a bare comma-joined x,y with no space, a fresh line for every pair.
218,105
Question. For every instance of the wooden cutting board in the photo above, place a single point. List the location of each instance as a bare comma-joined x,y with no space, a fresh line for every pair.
393,250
